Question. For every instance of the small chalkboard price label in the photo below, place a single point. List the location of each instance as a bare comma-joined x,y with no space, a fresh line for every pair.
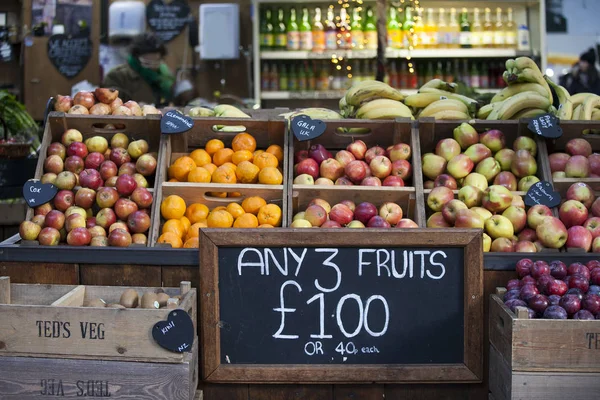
546,125
542,193
37,193
176,333
167,18
175,122
305,128
69,55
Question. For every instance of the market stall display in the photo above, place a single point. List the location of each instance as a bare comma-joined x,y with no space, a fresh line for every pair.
103,101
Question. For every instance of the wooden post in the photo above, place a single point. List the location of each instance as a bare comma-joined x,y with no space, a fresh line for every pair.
381,39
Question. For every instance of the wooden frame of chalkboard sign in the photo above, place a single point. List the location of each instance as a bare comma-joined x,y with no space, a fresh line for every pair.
391,306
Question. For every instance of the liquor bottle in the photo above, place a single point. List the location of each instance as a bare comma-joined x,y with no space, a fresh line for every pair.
293,32
356,72
403,76
293,79
343,31
283,79
510,30
421,35
394,32
370,30
429,72
393,75
274,81
431,30
439,73
487,36
454,29
419,77
444,34
311,79
500,83
318,32
336,82
267,34
476,30
356,30
475,76
323,78
449,77
265,78
302,83
306,40
499,41
409,36
464,73
330,30
465,30
280,31
484,77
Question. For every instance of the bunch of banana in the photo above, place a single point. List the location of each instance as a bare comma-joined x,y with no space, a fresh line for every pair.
586,106
228,111
438,99
201,112
373,100
383,109
314,113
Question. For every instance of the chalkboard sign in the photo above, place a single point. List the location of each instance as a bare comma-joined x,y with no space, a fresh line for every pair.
37,193
542,193
546,125
306,128
69,55
175,122
169,19
176,333
337,302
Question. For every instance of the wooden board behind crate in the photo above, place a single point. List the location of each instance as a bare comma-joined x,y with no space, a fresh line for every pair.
530,345
46,321
24,378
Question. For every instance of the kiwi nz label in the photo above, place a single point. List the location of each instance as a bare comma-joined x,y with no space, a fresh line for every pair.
66,330
80,388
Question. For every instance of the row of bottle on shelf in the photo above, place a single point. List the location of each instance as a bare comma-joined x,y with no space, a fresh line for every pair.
325,75
357,30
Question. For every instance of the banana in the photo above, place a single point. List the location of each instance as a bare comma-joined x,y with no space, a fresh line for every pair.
522,63
369,90
519,102
528,75
577,113
314,113
565,110
510,64
383,109
228,111
579,98
596,114
486,110
588,106
471,104
422,100
440,84
201,112
443,105
529,113
345,110
229,129
511,90
450,115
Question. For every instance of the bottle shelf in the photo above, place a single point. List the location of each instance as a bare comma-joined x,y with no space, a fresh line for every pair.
331,94
392,53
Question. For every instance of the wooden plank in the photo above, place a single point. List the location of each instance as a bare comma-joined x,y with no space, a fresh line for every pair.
355,392
40,273
222,392
555,386
501,327
121,275
24,378
171,276
420,218
429,392
500,375
72,299
199,395
290,392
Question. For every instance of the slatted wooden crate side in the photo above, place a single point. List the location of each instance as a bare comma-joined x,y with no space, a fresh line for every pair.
25,378
416,160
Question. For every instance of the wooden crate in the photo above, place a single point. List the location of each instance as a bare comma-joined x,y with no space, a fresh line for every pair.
35,316
573,130
337,136
147,128
24,378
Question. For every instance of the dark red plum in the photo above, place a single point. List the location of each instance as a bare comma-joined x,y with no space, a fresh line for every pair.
538,303
511,294
543,282
591,302
528,280
592,264
555,312
513,284
579,282
531,314
594,289
514,303
583,314
524,267
579,269
539,269
595,277
528,291
571,303
553,299
558,269
575,291
557,287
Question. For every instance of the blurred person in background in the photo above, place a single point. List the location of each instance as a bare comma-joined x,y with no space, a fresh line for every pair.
584,76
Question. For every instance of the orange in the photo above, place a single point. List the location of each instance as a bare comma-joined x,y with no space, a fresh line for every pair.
270,176
224,174
266,226
241,155
181,168
172,180
194,230
192,243
253,204
246,220
235,210
196,212
257,152
230,165
170,238
219,219
221,195
174,226
270,214
243,141
172,207
200,157
277,151
210,167
222,156
213,145
246,172
219,208
199,175
234,194
264,160
186,223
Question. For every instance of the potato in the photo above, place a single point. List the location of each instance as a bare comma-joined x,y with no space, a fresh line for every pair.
129,298
162,299
172,303
149,300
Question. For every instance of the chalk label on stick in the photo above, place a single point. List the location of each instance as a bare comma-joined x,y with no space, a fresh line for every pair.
305,128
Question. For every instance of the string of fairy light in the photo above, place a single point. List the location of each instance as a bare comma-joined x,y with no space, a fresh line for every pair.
345,30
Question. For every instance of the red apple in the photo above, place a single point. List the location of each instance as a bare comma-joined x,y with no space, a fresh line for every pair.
139,238
443,180
364,212
373,152
138,222
468,219
438,197
125,185
77,149
399,151
436,220
344,157
319,153
552,233
371,181
56,148
63,103
528,234
447,149
402,168
106,197
356,171
349,203
90,178
331,224
85,99
79,237
300,155
315,214
43,209
525,246
75,221
105,95
380,166
506,179
94,160
390,212
108,169
127,168
594,160
579,237
343,181
577,167
54,164
118,225
308,166
558,161
119,156
331,169
393,181
141,181
63,200
142,197
119,238
106,217
145,165
70,136
502,244
578,147
581,192
341,214
85,198
378,222
358,148
537,214
55,219
321,202
406,223
593,225
124,207
99,241
450,209
49,237
572,212
493,140
74,164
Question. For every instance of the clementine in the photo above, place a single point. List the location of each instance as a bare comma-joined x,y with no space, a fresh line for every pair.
172,207
210,167
243,141
192,243
213,145
241,155
270,214
186,223
200,157
253,204
246,220
199,175
270,176
181,168
170,238
277,151
224,174
246,172
219,219
196,212
235,210
264,160
174,226
222,156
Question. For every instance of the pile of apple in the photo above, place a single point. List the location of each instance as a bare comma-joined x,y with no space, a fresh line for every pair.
357,165
102,101
478,160
580,215
319,213
102,197
555,291
577,162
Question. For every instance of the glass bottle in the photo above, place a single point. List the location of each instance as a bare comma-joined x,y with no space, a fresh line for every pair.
464,73
403,76
274,78
280,30
484,78
356,73
267,34
510,30
499,41
429,72
318,32
311,79
283,79
439,73
356,30
306,41
393,29
417,77
265,78
323,78
476,30
343,30
302,82
409,36
293,31
393,75
475,76
422,36
454,29
431,30
444,34
487,36
293,79
449,77
465,30
370,30
330,30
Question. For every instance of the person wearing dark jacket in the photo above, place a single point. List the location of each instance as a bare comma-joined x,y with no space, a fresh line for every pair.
584,77
145,77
